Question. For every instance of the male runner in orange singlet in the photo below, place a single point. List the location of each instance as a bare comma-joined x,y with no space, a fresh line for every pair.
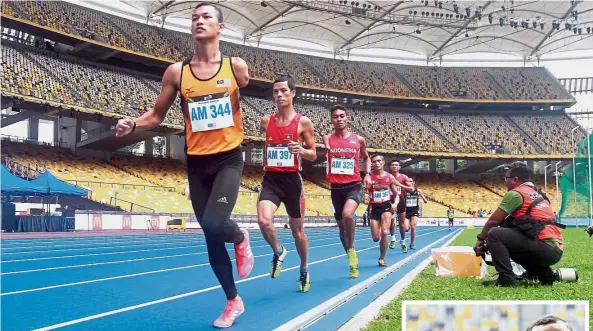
208,84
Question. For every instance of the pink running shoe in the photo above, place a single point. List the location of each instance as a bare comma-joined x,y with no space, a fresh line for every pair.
233,309
244,256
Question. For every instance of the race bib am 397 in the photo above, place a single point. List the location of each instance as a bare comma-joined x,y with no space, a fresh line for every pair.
279,156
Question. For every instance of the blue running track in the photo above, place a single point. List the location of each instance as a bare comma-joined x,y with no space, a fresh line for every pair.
164,282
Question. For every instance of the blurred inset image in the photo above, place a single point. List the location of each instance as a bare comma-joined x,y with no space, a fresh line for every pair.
495,316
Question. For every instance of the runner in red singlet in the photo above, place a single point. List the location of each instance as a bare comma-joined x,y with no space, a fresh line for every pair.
402,188
282,183
344,149
383,198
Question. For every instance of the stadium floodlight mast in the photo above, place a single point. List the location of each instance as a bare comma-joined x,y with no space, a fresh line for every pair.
557,192
546,178
574,171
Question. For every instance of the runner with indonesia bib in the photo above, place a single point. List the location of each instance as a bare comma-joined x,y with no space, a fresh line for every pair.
343,173
402,188
282,183
383,198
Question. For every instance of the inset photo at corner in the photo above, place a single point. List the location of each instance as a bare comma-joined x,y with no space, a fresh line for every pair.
495,316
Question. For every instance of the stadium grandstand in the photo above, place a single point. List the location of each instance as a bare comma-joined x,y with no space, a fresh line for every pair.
454,89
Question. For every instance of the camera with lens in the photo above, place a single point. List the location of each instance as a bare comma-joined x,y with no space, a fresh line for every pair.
565,275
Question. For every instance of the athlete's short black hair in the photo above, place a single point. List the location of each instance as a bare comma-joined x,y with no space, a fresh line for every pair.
219,16
550,319
520,170
288,79
337,107
377,155
395,160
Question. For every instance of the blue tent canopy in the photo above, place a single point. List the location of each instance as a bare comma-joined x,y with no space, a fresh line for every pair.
14,185
54,186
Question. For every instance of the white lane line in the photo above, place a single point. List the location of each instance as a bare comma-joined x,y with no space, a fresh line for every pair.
89,243
93,248
100,254
100,263
179,296
140,274
164,235
153,272
125,238
126,261
113,253
126,252
315,314
120,239
120,246
28,241
369,312
82,234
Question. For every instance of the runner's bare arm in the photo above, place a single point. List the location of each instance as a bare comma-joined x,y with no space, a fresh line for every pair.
155,116
241,71
308,151
407,188
394,185
263,125
365,155
326,141
422,195
368,184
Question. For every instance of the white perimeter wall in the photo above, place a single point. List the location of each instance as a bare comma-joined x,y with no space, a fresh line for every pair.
98,222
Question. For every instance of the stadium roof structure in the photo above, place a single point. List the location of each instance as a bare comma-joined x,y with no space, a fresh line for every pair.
429,29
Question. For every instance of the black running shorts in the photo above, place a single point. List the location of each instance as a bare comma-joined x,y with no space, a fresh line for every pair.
286,188
401,206
378,209
450,221
342,192
412,211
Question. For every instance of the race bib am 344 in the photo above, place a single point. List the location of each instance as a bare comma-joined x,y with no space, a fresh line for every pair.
210,112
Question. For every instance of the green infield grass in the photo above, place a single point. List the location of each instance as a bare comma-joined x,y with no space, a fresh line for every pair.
578,253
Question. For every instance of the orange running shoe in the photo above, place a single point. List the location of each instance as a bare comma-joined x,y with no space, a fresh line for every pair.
244,256
233,309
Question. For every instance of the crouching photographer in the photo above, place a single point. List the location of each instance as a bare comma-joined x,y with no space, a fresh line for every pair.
523,229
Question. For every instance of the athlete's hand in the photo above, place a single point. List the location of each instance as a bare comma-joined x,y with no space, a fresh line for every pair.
367,181
295,147
124,127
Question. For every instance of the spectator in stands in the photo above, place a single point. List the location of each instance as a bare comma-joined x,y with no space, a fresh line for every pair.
523,229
